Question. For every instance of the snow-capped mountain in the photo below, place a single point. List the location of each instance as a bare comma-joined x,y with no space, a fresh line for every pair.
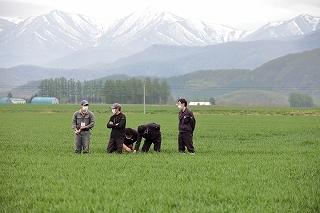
41,39
147,27
6,25
48,37
300,25
78,40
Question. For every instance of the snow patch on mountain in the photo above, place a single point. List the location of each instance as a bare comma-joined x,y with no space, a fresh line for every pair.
299,25
150,26
52,36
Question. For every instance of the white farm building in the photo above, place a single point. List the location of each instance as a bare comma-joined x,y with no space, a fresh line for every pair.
199,103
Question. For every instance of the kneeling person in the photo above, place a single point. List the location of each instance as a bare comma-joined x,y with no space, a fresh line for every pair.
131,136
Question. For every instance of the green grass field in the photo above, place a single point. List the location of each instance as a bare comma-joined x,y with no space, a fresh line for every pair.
247,160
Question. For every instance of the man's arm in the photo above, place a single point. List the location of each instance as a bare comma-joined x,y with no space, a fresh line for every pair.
110,123
122,122
136,147
192,122
74,121
126,148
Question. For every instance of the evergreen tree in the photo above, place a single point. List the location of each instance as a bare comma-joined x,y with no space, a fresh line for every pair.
300,100
164,92
212,101
148,90
95,91
72,91
78,97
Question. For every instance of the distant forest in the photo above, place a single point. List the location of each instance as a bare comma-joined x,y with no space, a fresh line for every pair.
95,91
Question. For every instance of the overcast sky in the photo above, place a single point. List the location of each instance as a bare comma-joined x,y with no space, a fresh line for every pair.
238,14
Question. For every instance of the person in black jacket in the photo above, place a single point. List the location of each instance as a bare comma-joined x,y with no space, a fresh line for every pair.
151,133
117,123
131,136
187,123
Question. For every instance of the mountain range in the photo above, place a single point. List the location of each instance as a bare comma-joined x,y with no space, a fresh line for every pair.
64,40
145,43
267,85
297,72
166,61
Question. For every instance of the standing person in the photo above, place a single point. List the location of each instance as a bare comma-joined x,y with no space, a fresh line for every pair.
187,124
83,121
131,136
117,124
151,133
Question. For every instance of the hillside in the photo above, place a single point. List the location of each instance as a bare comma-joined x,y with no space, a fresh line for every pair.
19,75
298,72
166,61
267,85
253,98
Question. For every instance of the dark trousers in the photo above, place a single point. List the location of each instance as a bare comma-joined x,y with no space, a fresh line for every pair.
185,140
156,146
115,145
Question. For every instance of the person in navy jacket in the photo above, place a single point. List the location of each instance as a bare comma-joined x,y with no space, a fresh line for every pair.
187,124
152,135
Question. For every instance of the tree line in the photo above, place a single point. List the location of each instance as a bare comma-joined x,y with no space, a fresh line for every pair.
297,99
132,91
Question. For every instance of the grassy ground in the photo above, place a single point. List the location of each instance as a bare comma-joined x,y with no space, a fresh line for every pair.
247,160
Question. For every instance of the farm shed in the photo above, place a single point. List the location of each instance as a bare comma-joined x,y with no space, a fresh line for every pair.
5,101
44,100
12,101
199,103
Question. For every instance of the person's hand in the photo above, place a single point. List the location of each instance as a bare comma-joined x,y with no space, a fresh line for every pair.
83,127
77,131
128,149
110,122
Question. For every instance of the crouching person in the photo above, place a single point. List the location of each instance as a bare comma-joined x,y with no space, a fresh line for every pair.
131,136
152,135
